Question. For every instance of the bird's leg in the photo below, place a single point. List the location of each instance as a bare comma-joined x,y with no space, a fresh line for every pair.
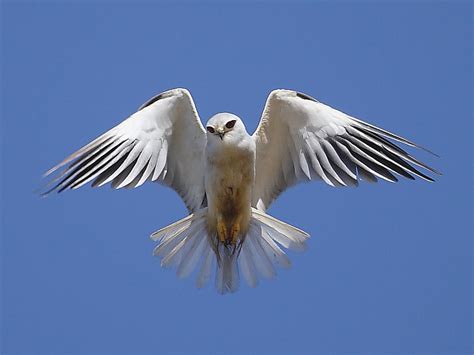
221,229
235,232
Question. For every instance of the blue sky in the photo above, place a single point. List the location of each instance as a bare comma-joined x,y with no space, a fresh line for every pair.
389,265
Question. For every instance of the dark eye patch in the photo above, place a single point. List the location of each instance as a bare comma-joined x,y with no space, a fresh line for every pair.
210,129
230,124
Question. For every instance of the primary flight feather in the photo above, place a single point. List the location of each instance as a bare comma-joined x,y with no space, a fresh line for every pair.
228,179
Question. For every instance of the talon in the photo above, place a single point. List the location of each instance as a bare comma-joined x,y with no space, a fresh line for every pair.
221,230
235,233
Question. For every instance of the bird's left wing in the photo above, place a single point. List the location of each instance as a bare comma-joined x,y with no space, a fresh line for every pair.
163,141
301,139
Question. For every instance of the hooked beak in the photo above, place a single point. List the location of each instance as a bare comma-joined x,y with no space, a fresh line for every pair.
220,133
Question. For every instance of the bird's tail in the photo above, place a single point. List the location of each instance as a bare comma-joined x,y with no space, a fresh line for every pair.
187,245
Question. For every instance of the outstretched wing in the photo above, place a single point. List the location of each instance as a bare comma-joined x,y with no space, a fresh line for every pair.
301,139
163,141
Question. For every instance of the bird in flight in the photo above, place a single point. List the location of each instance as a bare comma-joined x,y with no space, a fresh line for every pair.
228,178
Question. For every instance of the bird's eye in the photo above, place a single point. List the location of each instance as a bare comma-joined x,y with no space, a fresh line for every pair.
210,129
230,124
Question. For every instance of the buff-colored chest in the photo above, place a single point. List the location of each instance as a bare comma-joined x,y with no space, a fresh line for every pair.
229,183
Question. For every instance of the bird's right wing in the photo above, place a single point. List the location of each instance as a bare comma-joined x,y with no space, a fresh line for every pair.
163,141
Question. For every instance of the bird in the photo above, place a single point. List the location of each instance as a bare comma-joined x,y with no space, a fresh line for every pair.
228,178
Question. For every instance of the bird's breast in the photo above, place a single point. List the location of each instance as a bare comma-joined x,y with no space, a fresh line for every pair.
229,182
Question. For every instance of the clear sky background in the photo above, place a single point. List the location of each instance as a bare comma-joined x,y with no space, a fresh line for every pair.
389,265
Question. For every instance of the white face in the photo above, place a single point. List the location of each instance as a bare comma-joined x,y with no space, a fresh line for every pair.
225,128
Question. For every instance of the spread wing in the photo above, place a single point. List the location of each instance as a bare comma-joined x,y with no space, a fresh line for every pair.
301,139
163,141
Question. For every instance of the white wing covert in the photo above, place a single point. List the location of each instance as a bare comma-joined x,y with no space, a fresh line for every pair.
163,141
301,139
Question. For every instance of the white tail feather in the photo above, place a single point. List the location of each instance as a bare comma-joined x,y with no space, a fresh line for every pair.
262,263
247,265
187,245
206,268
194,254
227,276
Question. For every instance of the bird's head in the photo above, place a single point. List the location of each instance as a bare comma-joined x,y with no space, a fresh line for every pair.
225,127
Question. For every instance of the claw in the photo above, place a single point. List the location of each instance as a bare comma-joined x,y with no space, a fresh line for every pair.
235,233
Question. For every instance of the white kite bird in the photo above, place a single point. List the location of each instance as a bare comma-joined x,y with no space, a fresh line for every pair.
228,179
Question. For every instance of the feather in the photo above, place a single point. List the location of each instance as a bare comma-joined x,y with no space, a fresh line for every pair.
382,159
247,265
273,250
227,276
322,158
334,157
295,234
377,130
389,146
134,153
123,153
193,254
315,162
123,175
262,262
88,164
304,164
161,161
85,161
363,163
206,269
141,162
149,168
82,151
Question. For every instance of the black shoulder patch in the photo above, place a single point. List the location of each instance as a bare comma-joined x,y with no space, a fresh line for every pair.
305,97
151,101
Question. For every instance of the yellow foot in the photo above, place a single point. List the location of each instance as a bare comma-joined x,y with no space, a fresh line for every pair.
235,233
221,230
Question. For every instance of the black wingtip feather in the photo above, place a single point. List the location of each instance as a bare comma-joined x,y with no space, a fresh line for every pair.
374,129
305,97
386,143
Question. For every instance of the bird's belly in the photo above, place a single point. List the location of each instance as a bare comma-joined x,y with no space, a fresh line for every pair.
231,200
229,190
